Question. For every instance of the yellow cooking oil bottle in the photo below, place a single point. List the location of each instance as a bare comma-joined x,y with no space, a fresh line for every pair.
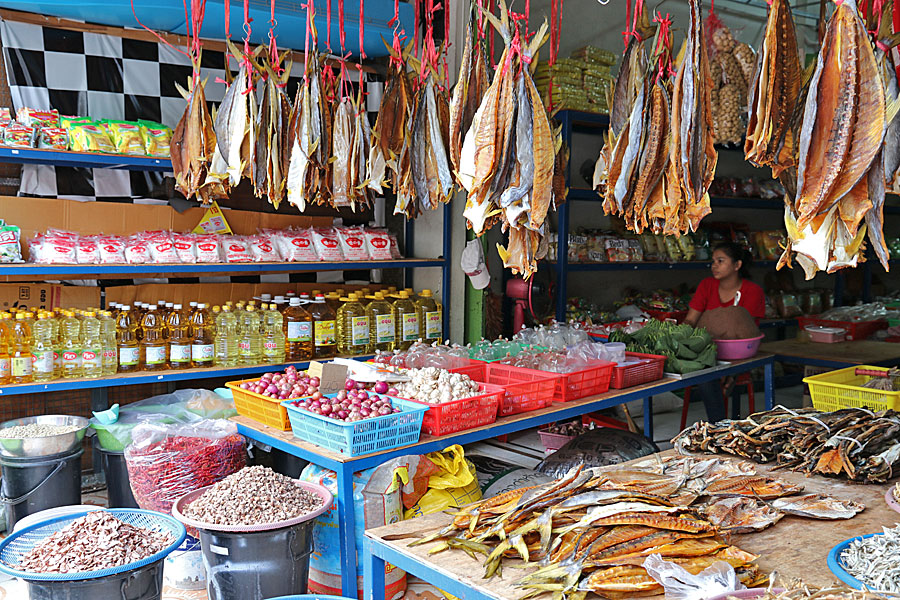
154,349
70,345
324,330
352,327
299,334
430,321
91,346
42,349
179,338
127,341
5,347
381,323
406,321
21,358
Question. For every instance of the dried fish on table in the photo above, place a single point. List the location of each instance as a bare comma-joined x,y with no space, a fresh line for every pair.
873,561
741,514
818,506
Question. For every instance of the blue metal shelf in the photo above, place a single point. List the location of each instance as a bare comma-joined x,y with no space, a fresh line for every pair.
653,266
583,194
223,268
61,158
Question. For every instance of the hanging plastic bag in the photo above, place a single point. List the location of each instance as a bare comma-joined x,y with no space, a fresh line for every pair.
455,484
679,584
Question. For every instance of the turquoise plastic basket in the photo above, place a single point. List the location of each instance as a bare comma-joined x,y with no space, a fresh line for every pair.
360,437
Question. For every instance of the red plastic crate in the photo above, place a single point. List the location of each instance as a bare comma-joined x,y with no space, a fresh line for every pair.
587,382
855,330
662,315
459,415
526,389
631,375
475,369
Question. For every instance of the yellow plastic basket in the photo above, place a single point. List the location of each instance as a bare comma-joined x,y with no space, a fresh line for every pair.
843,389
262,409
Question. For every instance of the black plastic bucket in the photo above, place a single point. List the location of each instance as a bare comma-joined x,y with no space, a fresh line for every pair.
31,485
144,583
115,470
263,564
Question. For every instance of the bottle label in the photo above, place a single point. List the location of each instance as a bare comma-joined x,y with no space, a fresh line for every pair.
384,329
299,331
4,368
91,360
129,356
156,355
179,353
270,349
43,362
410,327
71,357
21,366
324,333
57,360
433,325
359,331
202,352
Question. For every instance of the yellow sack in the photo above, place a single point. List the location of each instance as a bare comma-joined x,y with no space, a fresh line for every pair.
455,483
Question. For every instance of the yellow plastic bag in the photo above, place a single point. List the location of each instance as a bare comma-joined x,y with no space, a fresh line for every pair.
455,483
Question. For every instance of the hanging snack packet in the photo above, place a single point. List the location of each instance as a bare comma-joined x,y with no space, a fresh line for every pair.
296,245
10,251
353,243
137,251
18,135
53,138
237,250
378,243
112,250
185,247
126,137
88,250
208,249
90,137
395,247
328,246
156,138
38,118
263,248
162,250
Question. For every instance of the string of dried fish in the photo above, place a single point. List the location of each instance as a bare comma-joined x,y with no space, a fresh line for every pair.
271,151
193,148
873,560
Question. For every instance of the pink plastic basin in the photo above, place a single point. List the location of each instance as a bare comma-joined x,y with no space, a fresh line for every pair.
738,349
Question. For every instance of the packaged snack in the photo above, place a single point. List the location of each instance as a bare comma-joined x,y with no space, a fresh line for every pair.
156,138
112,249
236,248
66,121
378,243
38,118
617,250
263,249
10,250
649,245
88,250
208,249
137,251
18,135
36,249
353,243
395,247
89,137
162,249
328,246
673,250
296,245
59,250
126,137
5,114
686,245
185,247
54,138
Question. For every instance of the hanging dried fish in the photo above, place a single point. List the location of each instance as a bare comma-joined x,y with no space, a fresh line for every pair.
194,146
235,121
307,158
271,156
428,161
390,126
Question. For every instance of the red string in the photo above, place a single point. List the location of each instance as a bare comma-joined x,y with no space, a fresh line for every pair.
328,23
343,35
227,6
627,32
665,67
310,6
447,42
161,38
418,26
247,31
896,28
362,35
273,45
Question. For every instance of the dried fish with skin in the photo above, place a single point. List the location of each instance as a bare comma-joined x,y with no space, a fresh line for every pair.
470,88
307,159
193,148
818,506
741,514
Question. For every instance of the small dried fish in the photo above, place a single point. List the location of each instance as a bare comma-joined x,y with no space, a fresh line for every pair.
873,560
818,506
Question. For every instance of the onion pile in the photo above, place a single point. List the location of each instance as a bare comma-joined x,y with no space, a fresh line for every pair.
351,404
285,386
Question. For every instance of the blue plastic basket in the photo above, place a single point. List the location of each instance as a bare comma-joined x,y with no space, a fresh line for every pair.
13,548
360,437
837,566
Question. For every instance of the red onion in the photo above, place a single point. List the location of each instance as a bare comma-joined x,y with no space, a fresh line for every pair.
381,387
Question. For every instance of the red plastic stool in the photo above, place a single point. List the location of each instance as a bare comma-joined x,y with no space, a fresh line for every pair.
742,379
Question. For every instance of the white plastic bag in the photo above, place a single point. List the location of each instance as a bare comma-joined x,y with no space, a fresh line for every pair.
679,584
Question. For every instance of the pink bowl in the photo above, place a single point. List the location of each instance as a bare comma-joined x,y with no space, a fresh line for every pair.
738,349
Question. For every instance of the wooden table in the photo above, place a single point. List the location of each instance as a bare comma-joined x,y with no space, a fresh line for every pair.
837,355
794,547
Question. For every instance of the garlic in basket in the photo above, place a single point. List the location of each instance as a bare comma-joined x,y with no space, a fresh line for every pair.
437,386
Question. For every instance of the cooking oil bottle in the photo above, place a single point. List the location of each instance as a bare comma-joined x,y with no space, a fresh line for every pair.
352,327
299,335
430,322
5,347
334,301
381,324
226,345
42,348
91,346
324,330
203,338
70,345
153,343
250,346
406,321
55,319
126,337
21,358
179,339
110,359
273,342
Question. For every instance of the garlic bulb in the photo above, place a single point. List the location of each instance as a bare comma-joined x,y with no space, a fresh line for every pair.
437,386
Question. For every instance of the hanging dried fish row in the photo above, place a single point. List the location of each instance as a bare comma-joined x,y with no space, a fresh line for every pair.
271,150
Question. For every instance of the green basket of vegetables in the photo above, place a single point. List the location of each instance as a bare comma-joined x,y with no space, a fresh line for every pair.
686,348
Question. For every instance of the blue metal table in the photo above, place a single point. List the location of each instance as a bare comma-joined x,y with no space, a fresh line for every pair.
345,466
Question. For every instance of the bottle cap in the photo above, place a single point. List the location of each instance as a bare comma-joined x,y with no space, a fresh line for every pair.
169,305
29,315
91,315
126,307
425,293
320,298
295,301
193,305
379,295
216,309
177,307
226,308
279,299
403,294
201,306
266,297
153,307
20,316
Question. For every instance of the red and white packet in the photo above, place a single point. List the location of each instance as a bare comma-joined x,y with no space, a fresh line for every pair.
185,247
208,249
378,243
296,245
236,249
353,243
263,248
328,244
112,249
137,251
87,252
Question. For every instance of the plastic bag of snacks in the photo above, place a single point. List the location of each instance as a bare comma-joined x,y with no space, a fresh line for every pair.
378,243
5,114
54,138
328,246
66,121
112,250
126,137
353,243
156,138
88,250
18,135
54,249
237,249
208,249
90,137
162,250
10,250
296,245
38,118
185,247
167,461
137,251
262,248
395,247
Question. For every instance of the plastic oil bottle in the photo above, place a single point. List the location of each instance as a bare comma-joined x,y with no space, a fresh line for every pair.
226,345
352,327
406,322
91,346
299,335
203,338
382,332
5,347
179,339
21,358
430,322
70,345
250,346
153,342
42,348
334,301
55,319
324,330
110,360
126,337
273,342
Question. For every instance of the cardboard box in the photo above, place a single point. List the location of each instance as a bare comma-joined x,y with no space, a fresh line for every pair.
45,295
